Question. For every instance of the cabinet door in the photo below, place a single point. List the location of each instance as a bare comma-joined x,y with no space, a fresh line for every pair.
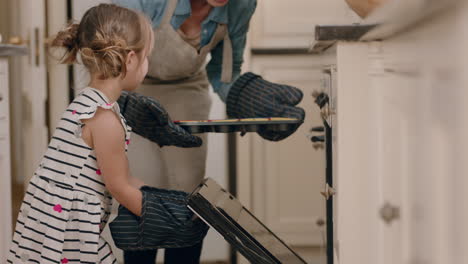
460,193
400,158
421,101
377,135
355,201
5,167
33,94
291,24
393,159
402,145
286,177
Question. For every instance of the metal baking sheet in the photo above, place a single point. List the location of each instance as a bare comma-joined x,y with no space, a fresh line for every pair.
223,212
239,125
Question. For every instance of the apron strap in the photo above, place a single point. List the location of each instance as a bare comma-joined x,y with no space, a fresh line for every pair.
221,33
170,9
226,74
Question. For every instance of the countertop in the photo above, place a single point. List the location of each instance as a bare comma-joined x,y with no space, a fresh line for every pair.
327,35
7,50
398,15
390,19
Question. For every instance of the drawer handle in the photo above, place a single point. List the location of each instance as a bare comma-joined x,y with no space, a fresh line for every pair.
328,192
320,222
389,213
1,97
318,146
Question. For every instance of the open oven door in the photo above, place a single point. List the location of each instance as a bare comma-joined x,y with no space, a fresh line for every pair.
223,212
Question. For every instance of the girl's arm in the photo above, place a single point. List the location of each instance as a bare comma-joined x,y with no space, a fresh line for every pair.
108,140
135,182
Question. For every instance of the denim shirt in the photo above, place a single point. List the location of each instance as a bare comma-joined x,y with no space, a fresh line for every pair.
236,14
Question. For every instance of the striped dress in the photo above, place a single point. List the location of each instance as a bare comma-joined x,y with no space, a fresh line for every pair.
66,205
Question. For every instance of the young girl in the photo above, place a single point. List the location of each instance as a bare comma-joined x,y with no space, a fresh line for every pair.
68,200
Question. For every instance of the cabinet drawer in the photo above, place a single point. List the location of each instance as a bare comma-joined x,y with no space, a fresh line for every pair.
3,66
3,92
5,158
3,105
4,125
4,144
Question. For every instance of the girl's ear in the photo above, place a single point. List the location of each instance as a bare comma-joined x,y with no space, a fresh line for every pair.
132,61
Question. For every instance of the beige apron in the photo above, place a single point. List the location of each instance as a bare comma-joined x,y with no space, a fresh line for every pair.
178,80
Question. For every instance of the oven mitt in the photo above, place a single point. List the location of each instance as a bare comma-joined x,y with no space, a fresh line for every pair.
149,119
165,222
251,96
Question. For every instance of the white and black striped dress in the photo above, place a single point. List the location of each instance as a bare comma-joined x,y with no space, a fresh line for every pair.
66,205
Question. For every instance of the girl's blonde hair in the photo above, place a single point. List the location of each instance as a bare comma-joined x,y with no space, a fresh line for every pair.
104,37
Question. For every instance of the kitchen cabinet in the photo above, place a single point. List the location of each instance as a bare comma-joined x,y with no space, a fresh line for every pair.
5,149
5,167
279,24
400,137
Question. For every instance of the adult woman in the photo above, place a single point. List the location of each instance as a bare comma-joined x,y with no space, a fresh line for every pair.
186,31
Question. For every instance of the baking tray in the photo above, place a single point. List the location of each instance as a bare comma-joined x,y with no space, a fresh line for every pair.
239,125
223,212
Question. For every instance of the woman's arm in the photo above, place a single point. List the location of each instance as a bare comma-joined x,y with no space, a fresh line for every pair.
239,19
154,9
108,140
364,7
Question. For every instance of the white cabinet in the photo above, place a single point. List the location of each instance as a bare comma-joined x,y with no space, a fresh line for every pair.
356,205
402,147
393,122
291,24
5,164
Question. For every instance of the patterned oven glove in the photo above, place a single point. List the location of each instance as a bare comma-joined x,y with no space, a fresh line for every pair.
150,120
165,222
252,96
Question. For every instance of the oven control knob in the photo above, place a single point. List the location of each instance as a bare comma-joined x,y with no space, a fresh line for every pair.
317,139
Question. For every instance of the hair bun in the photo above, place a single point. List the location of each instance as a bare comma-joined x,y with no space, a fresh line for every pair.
107,53
103,39
67,38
